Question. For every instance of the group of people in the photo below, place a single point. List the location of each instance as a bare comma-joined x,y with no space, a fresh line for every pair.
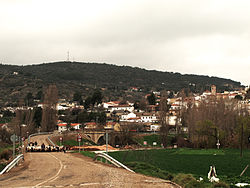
34,147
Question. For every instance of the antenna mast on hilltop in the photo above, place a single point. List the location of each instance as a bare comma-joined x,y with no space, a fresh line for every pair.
68,56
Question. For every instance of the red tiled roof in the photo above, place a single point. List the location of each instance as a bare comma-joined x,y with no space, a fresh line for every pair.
175,104
75,124
62,124
90,123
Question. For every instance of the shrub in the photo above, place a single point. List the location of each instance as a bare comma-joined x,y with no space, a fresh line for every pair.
181,142
5,154
183,179
150,170
195,183
2,166
221,184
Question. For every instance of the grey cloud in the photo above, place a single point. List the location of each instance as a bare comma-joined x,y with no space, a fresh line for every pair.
167,35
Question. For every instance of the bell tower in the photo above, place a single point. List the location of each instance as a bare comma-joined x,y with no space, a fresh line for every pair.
213,89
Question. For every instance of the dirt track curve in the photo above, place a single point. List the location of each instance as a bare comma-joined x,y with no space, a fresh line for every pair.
73,170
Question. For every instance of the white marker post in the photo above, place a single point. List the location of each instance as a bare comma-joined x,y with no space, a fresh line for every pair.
13,139
218,144
79,139
61,141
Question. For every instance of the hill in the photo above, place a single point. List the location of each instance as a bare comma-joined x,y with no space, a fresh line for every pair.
17,81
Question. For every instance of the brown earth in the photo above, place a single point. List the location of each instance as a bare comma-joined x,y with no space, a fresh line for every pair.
73,170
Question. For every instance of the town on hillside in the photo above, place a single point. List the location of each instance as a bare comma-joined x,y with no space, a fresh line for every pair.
178,112
193,132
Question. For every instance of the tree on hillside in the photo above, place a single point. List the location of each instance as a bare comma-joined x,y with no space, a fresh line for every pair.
38,116
238,97
87,102
49,117
39,95
142,104
171,95
96,97
77,97
151,99
136,105
83,117
29,99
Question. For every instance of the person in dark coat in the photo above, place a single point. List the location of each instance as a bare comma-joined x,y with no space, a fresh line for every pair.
43,147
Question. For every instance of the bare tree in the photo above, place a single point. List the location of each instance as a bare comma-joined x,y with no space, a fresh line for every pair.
212,120
164,109
49,116
23,116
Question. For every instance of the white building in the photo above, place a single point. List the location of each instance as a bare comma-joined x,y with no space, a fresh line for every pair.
154,127
61,107
75,126
173,120
121,107
148,118
125,117
62,127
106,105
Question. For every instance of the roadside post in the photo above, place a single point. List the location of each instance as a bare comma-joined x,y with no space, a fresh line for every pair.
154,143
107,130
79,139
218,144
14,138
22,145
60,141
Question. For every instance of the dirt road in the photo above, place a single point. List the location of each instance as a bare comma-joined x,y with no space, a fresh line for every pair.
73,170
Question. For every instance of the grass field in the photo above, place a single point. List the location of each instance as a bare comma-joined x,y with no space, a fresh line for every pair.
74,142
228,162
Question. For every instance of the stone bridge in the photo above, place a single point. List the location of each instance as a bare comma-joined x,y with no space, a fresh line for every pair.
99,137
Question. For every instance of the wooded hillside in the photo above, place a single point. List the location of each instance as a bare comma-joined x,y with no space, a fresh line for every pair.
17,81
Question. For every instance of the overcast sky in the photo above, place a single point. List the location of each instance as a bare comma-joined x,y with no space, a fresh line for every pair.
206,37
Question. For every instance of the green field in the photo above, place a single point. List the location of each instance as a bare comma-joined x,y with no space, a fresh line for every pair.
228,162
75,143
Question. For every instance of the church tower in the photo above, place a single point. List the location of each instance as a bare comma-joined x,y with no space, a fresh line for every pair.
213,90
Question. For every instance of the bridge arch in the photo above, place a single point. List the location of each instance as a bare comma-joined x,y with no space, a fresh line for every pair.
95,136
101,140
